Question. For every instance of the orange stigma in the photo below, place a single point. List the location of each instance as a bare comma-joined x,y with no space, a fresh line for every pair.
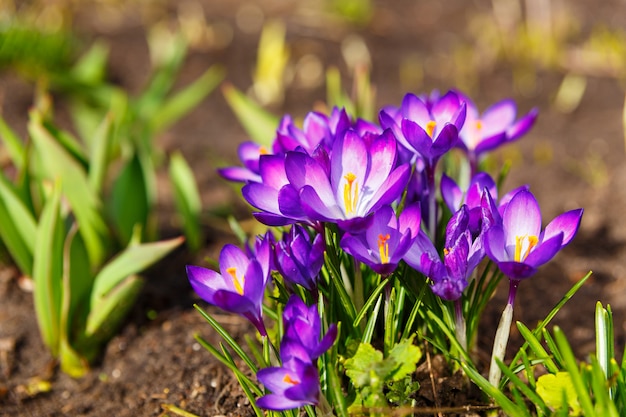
238,285
383,248
523,246
263,150
430,128
290,380
350,193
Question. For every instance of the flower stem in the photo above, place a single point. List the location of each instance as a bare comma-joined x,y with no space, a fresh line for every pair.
502,335
432,203
459,327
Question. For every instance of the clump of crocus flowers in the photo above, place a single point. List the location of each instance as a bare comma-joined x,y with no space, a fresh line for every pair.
355,222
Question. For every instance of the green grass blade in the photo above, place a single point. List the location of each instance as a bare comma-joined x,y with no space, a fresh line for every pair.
509,407
537,347
373,298
14,145
187,199
228,339
572,367
258,123
522,387
544,323
180,104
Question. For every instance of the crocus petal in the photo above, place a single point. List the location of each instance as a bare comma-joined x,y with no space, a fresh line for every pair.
383,159
232,256
522,217
414,108
517,270
205,282
239,174
417,137
277,402
522,125
446,140
498,117
544,251
451,193
261,196
566,223
317,209
495,244
390,190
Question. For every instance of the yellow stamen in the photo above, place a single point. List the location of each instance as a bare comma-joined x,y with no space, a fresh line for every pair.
523,246
263,150
430,128
238,285
290,380
479,124
350,196
446,251
383,248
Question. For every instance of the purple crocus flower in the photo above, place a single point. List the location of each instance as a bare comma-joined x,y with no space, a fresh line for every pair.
238,288
518,245
430,131
359,178
384,243
454,197
302,331
298,259
461,255
293,385
249,154
318,129
264,195
494,127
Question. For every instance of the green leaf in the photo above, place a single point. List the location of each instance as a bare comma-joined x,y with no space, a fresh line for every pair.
85,203
364,368
76,284
258,123
14,145
99,155
180,104
129,204
133,260
406,354
106,312
48,271
18,226
91,67
557,391
187,199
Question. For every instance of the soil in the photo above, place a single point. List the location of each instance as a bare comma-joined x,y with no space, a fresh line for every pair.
570,159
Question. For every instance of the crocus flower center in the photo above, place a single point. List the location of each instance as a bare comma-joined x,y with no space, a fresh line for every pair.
430,128
350,193
478,124
238,284
263,150
523,246
383,248
289,380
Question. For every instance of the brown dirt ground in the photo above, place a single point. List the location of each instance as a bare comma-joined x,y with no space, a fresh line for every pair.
570,160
